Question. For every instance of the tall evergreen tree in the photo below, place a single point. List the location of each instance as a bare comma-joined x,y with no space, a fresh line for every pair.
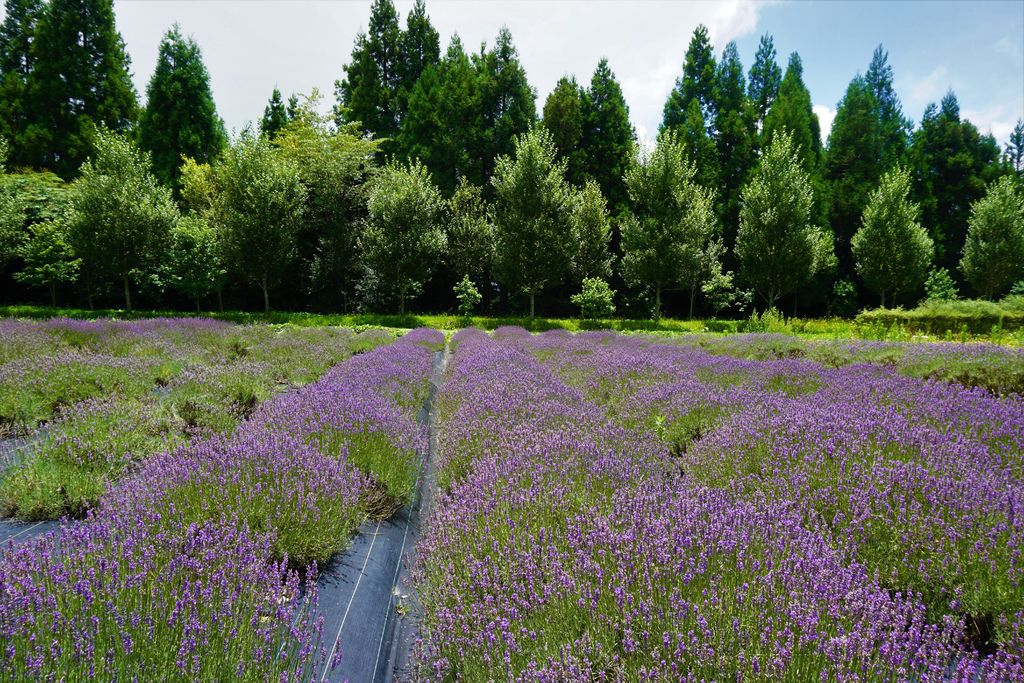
696,83
951,163
608,136
16,59
369,92
734,140
79,80
180,119
563,117
853,165
765,78
508,106
1014,152
894,128
792,111
421,47
443,123
275,115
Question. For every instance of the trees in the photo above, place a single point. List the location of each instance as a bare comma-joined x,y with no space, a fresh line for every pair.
607,137
591,233
792,112
17,33
180,118
951,163
892,251
12,215
275,115
696,84
403,236
259,203
778,246
563,115
333,166
421,48
121,217
893,127
532,208
507,101
78,81
469,233
195,266
993,256
369,92
48,258
735,138
765,78
1014,151
671,239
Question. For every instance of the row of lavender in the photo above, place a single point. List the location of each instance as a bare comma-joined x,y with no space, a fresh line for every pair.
617,509
190,569
109,393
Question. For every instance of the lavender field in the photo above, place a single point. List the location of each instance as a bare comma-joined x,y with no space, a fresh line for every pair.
588,507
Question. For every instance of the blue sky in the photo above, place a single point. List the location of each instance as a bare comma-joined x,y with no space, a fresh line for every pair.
974,47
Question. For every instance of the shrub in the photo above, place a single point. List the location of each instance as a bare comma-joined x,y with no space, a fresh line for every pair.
596,300
940,286
468,295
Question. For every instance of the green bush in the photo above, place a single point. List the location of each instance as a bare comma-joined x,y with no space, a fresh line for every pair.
940,286
468,295
596,300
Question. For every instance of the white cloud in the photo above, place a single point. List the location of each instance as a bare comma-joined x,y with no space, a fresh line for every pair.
997,120
825,117
919,92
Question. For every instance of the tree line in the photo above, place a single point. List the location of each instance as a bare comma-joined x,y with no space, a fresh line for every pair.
434,179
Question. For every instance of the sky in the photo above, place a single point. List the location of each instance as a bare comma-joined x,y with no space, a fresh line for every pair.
975,48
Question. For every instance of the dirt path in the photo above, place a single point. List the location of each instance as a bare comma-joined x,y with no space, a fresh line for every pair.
371,612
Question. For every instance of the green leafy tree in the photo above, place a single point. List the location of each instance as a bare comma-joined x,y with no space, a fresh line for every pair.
778,246
467,295
608,136
853,165
696,84
893,252
532,216
591,233
595,300
470,233
507,101
275,115
421,48
951,163
12,215
993,257
403,237
721,293
563,117
334,166
735,138
195,265
48,258
260,202
369,92
121,216
671,239
17,33
764,80
939,286
180,118
1014,152
893,127
79,81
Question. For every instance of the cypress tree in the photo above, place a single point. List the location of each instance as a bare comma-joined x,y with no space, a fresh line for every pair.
696,83
608,137
734,140
894,128
563,117
16,59
792,111
275,116
765,78
508,107
369,92
79,81
180,119
421,47
1014,152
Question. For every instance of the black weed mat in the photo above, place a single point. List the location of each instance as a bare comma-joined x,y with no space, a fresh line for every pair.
371,612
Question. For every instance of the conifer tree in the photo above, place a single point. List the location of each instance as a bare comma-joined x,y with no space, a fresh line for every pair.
421,47
697,83
734,140
765,78
1014,152
508,106
564,110
608,136
78,82
180,118
893,127
369,92
17,33
275,115
792,111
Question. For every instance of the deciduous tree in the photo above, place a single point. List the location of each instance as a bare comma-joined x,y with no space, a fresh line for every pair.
993,257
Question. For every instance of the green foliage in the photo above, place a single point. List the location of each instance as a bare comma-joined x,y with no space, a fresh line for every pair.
778,246
696,84
469,232
721,293
671,239
1014,152
78,82
564,111
421,48
892,251
195,264
121,217
765,78
21,18
532,216
893,127
259,205
844,299
608,137
275,116
403,236
591,233
467,295
939,286
993,256
180,118
735,137
507,103
12,215
48,258
793,113
596,299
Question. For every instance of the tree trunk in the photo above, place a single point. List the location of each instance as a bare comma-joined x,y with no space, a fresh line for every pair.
401,301
198,309
795,299
693,300
53,294
266,295
657,302
883,298
127,294
89,298
220,299
532,297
